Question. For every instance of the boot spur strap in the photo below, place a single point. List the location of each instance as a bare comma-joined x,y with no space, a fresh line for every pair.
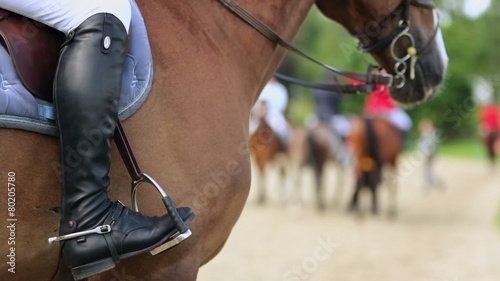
138,178
103,229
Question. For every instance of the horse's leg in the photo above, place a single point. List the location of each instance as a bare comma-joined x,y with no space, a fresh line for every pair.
489,142
496,145
283,167
491,154
496,150
294,184
355,197
373,189
428,177
339,185
392,187
261,185
318,176
297,153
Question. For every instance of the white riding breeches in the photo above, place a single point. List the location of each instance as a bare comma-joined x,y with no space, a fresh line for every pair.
278,123
397,117
400,119
341,124
66,15
275,96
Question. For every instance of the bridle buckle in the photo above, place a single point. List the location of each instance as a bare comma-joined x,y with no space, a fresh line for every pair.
390,78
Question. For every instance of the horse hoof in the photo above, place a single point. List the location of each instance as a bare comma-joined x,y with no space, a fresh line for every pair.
352,209
392,214
261,201
321,207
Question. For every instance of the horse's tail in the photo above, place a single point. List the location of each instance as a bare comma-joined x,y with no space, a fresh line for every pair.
372,142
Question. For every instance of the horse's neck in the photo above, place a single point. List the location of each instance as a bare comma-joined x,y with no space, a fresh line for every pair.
204,36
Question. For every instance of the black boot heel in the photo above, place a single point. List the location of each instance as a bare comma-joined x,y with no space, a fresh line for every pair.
93,268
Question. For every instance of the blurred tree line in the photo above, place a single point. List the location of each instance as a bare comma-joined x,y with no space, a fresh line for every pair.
472,46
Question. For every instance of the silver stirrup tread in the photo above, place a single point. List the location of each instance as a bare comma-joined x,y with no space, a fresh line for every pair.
171,243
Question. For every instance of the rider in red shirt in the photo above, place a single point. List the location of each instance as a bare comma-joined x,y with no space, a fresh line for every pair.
379,102
490,118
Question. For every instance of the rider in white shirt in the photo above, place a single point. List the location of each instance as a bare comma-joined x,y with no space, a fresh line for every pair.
275,96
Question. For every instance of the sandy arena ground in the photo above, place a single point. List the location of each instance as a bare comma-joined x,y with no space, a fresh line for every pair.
446,234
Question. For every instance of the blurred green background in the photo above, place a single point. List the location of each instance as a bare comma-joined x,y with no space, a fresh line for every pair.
472,44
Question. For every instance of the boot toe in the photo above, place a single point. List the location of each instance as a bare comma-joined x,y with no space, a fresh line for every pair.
152,231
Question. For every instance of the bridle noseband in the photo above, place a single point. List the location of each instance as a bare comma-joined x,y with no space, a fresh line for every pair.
402,31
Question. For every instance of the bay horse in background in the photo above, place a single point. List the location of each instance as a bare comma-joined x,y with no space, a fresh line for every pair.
314,147
376,144
491,142
191,134
267,149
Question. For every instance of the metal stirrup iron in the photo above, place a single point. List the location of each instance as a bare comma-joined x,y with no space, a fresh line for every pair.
139,178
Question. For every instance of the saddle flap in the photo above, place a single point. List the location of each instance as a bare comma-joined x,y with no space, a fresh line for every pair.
34,49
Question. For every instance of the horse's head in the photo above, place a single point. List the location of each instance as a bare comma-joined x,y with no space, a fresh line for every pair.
403,36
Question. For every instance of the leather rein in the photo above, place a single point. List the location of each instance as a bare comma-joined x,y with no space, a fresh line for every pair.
369,79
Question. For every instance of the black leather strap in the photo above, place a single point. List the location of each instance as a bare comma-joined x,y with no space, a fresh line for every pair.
115,214
334,87
126,152
271,35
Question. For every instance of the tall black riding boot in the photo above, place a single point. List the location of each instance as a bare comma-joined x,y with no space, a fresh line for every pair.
86,95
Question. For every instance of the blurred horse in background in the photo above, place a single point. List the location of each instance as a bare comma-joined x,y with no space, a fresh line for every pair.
490,130
315,147
268,150
376,144
491,141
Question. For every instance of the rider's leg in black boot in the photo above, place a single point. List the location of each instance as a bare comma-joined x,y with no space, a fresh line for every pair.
86,95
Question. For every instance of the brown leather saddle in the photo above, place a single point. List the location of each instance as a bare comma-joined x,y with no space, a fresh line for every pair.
34,49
